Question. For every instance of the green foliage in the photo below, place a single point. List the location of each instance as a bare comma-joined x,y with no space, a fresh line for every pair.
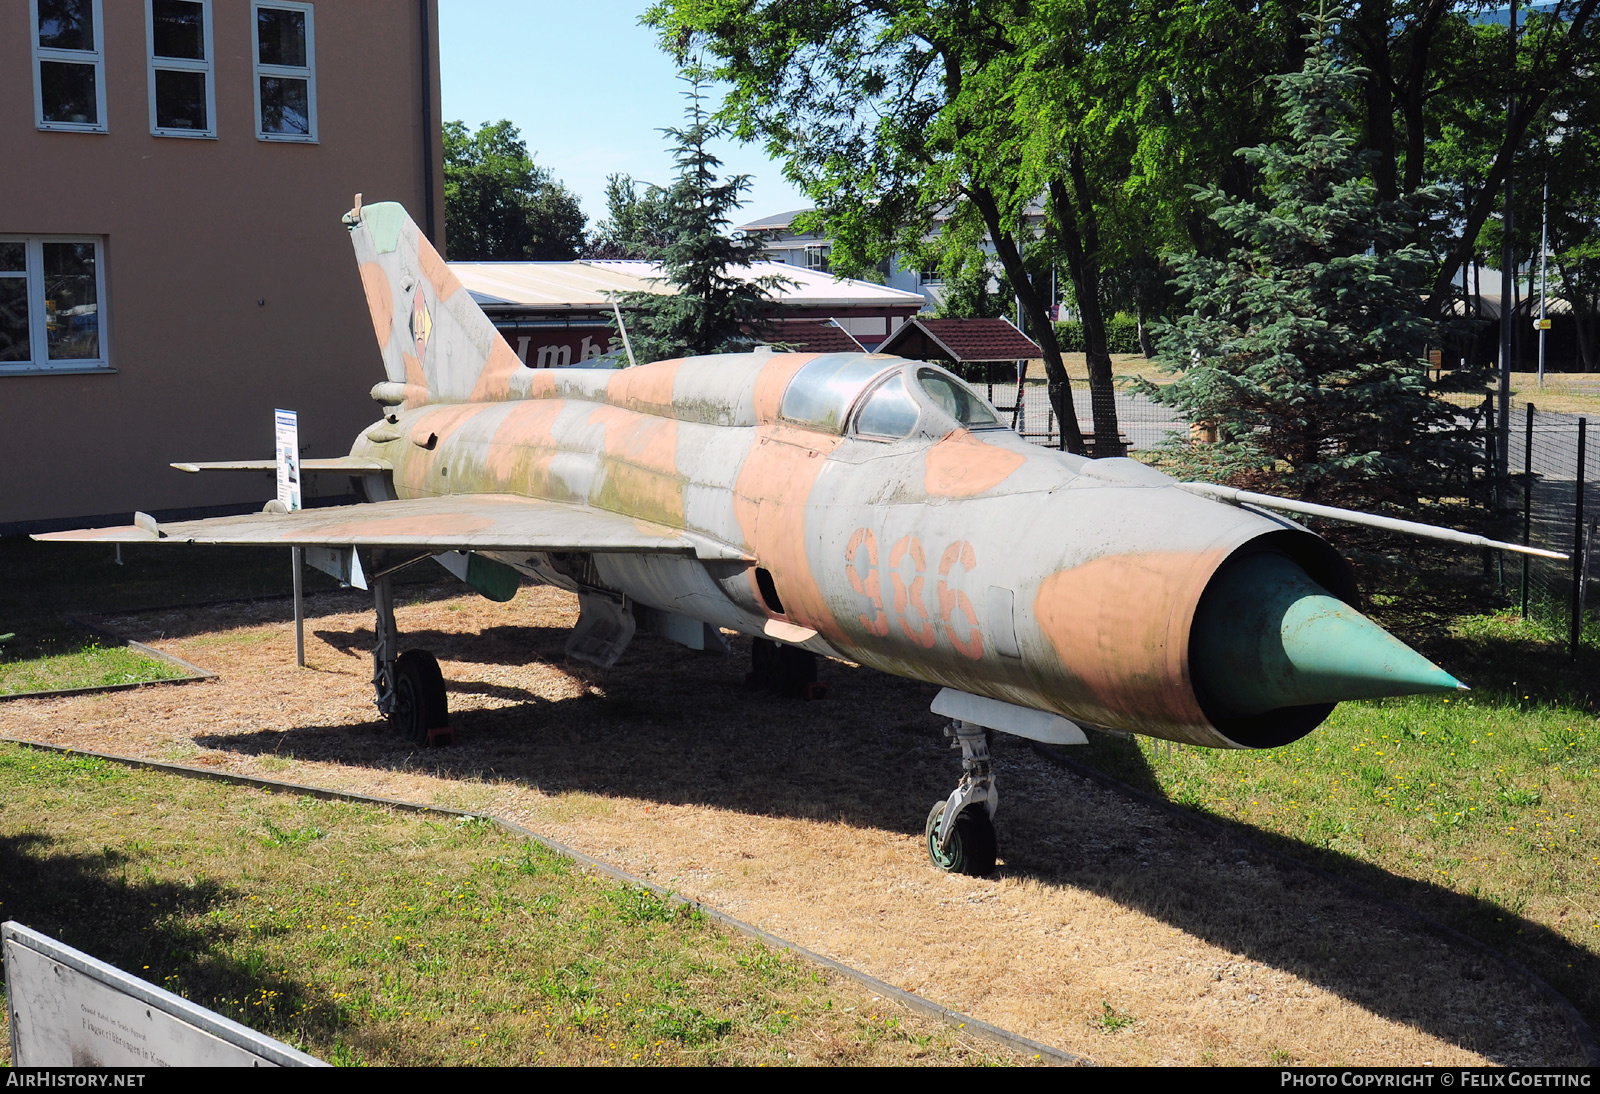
1305,344
1122,334
972,291
500,205
635,225
1110,1020
714,310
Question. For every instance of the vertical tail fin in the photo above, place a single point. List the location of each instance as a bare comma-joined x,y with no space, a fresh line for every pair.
438,346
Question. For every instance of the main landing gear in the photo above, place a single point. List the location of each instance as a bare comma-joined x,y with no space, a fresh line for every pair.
960,829
409,686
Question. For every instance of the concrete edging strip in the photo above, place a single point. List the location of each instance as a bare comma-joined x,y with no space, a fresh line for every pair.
905,998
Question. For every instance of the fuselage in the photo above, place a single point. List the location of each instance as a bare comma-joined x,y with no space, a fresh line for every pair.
891,521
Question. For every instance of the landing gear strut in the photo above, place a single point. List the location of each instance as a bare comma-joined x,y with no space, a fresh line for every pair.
409,686
959,834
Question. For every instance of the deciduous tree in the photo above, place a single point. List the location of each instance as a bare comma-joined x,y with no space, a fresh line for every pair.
499,204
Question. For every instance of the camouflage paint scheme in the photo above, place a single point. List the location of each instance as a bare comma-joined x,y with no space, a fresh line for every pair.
969,558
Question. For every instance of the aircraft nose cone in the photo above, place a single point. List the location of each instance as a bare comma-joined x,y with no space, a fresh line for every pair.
1267,636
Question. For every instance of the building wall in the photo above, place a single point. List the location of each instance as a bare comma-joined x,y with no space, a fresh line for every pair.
230,286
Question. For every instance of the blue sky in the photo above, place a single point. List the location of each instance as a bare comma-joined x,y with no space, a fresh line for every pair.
589,89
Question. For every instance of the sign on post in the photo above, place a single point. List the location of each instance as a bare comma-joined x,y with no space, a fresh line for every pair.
70,1010
287,429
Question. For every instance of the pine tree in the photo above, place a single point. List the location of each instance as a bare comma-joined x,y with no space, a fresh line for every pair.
1304,349
714,310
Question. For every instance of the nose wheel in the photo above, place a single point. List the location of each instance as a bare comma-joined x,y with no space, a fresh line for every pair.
960,830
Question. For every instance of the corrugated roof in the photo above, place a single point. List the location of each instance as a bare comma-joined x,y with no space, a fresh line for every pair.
961,340
594,283
1529,306
767,224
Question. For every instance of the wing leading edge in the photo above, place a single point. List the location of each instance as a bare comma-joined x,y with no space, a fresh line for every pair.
461,522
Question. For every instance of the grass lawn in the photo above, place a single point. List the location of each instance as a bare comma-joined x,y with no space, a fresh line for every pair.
46,656
366,936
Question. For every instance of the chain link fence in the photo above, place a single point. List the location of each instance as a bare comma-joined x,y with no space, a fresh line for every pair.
1554,497
1143,423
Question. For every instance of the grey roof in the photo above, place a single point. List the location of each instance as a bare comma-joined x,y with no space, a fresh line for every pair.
594,283
767,224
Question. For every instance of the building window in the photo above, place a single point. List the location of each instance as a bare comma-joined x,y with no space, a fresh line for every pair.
285,68
51,291
182,100
817,257
69,88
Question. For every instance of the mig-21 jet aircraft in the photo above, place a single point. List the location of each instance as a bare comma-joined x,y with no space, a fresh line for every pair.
857,506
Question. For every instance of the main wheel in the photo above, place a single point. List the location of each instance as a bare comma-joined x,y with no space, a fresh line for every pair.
419,699
972,848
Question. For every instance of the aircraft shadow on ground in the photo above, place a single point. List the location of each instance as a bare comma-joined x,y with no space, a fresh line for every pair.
503,645
103,905
674,726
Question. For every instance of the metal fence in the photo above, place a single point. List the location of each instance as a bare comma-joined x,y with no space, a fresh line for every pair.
1555,499
1144,423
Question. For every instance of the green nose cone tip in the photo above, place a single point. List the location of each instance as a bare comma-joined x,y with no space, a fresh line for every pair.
1268,637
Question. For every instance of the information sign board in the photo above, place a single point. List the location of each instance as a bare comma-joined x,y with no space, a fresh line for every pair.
70,1010
287,429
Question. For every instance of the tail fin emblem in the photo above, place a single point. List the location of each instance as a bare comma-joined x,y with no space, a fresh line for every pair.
421,323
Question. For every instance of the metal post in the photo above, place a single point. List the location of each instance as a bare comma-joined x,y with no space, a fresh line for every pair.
296,559
1527,504
1544,250
1508,272
1490,460
1583,577
1578,545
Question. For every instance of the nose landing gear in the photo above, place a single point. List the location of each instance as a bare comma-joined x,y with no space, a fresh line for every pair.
961,838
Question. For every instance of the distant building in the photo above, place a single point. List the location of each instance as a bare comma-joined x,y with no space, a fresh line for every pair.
172,266
559,313
812,252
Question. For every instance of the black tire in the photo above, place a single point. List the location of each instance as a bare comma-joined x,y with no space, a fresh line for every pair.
419,698
972,849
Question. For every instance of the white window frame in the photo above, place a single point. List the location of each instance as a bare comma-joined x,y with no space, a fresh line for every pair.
38,336
308,73
181,64
96,57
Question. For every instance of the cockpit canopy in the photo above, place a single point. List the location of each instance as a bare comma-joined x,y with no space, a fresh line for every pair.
893,396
